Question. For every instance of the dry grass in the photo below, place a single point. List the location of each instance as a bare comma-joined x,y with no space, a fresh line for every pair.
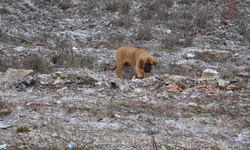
187,2
170,41
125,22
145,33
37,63
244,28
125,6
3,105
112,6
156,8
202,19
230,11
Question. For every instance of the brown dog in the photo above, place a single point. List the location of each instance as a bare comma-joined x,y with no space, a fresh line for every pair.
127,56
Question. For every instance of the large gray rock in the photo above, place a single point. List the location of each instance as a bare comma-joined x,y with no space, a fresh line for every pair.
12,74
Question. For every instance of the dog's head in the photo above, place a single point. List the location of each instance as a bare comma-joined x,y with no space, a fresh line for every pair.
147,63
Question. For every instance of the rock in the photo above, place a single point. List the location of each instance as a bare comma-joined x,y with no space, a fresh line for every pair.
222,83
138,90
190,55
58,80
71,108
209,73
19,108
243,74
192,104
12,74
163,148
168,31
54,135
210,53
3,146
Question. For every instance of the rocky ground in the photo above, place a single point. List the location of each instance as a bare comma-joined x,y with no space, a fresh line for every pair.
196,98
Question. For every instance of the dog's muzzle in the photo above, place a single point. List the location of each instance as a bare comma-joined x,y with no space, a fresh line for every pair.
147,70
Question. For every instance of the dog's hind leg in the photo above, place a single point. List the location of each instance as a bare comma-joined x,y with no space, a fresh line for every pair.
119,70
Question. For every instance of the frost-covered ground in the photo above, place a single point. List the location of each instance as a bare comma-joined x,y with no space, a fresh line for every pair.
134,114
173,109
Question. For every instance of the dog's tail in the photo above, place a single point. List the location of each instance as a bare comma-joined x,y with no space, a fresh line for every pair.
114,67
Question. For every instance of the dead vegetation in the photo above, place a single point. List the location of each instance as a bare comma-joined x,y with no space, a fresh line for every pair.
124,22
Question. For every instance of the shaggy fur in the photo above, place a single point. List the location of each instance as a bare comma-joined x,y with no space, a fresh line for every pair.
127,56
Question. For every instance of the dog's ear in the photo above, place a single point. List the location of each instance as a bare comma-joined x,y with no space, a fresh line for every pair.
141,62
155,62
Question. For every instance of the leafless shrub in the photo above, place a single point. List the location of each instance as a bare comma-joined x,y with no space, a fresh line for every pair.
3,66
168,3
3,104
117,41
187,14
46,3
187,2
160,3
201,19
163,14
112,6
125,6
230,11
171,41
157,8
4,11
125,22
147,15
88,61
145,33
244,28
36,63
64,5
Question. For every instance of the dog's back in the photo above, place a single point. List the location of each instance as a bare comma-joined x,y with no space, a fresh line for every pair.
127,54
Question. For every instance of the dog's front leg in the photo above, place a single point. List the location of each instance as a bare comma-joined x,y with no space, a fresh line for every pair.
145,75
138,71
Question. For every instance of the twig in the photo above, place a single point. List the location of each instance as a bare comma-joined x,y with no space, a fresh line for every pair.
26,40
154,143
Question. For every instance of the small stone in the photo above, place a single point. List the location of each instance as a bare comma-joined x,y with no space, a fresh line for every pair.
71,108
163,148
190,55
222,83
168,31
209,73
54,134
243,74
192,104
138,90
3,146
19,108
58,80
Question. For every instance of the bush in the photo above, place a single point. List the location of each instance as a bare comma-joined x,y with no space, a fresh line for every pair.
145,33
37,63
125,22
171,41
22,129
201,19
112,6
125,6
157,8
